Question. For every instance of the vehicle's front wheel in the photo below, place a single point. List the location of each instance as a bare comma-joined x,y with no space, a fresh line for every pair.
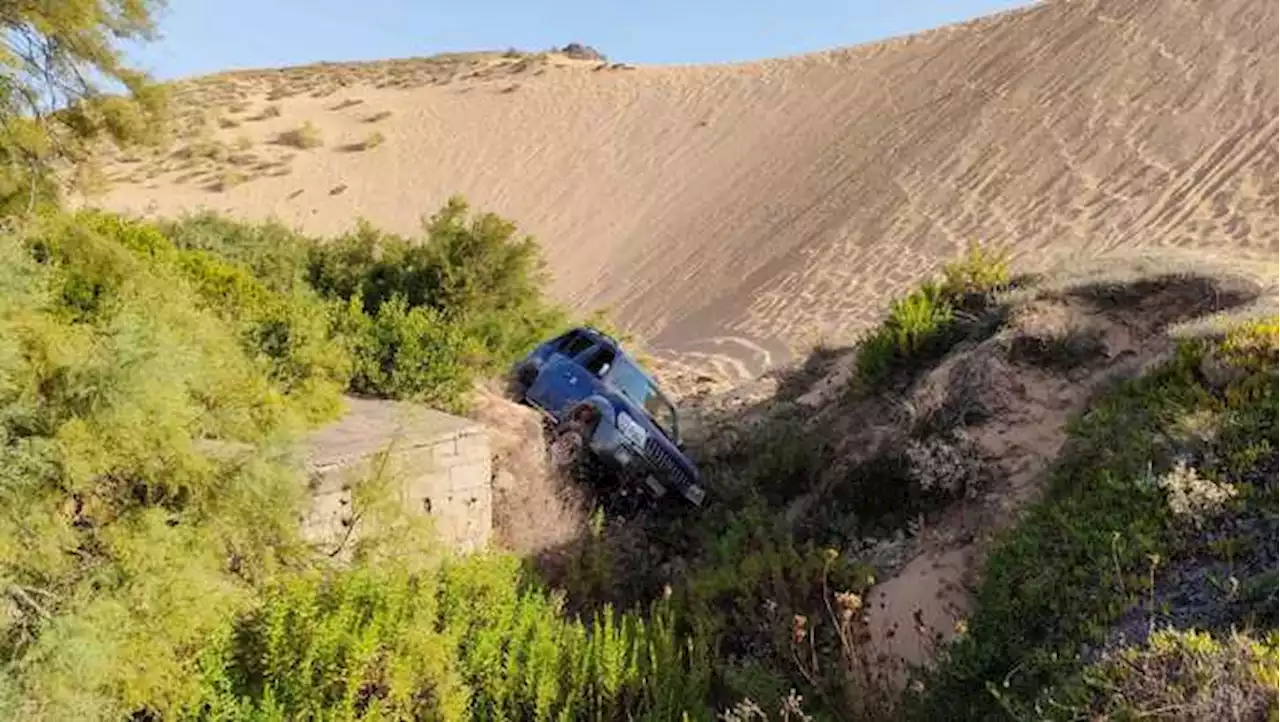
567,448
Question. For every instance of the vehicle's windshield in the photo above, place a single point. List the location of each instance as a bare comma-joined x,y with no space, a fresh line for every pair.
632,382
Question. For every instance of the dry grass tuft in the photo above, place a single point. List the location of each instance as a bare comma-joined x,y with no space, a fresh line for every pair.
305,137
268,112
242,159
371,141
228,180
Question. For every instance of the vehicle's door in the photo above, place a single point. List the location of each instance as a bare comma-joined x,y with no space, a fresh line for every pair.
561,380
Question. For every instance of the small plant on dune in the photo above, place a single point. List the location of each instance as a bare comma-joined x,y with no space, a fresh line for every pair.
1187,676
369,142
790,710
280,93
947,467
348,103
979,271
927,321
242,143
227,123
210,150
1249,347
304,137
268,112
228,180
915,324
1192,497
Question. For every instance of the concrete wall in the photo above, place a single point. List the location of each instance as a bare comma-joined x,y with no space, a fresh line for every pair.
438,464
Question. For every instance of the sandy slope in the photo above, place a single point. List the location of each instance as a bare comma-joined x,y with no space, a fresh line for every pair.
734,212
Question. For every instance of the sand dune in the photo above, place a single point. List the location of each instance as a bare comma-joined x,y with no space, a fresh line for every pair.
735,213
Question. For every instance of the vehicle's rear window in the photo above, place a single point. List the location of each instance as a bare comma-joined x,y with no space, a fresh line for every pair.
574,344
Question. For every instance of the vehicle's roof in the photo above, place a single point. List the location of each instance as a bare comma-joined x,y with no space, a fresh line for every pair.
600,335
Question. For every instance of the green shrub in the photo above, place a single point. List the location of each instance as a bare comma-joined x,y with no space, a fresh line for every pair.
134,432
462,267
410,353
980,271
1185,676
470,292
474,273
925,323
469,641
915,330
276,254
290,332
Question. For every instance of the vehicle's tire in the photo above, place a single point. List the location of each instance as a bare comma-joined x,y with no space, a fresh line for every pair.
567,449
522,377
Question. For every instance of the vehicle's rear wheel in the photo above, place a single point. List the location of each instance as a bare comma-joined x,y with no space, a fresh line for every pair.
521,379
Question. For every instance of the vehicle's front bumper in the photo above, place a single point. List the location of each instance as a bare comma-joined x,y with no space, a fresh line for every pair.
610,446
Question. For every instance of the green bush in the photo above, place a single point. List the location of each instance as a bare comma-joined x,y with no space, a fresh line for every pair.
925,323
462,266
1186,676
410,353
288,331
980,271
469,641
470,274
137,491
276,254
915,330
430,315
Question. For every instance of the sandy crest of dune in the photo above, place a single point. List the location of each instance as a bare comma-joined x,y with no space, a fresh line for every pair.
733,213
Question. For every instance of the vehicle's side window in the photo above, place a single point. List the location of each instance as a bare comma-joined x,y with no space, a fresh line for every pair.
574,345
600,361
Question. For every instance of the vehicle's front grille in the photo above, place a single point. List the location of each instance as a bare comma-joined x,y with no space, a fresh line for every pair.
664,462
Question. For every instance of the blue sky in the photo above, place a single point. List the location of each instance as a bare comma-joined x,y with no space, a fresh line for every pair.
202,36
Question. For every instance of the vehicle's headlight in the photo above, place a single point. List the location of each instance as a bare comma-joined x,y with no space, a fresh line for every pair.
632,430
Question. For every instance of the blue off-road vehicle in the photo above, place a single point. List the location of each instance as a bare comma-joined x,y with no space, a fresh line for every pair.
601,403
